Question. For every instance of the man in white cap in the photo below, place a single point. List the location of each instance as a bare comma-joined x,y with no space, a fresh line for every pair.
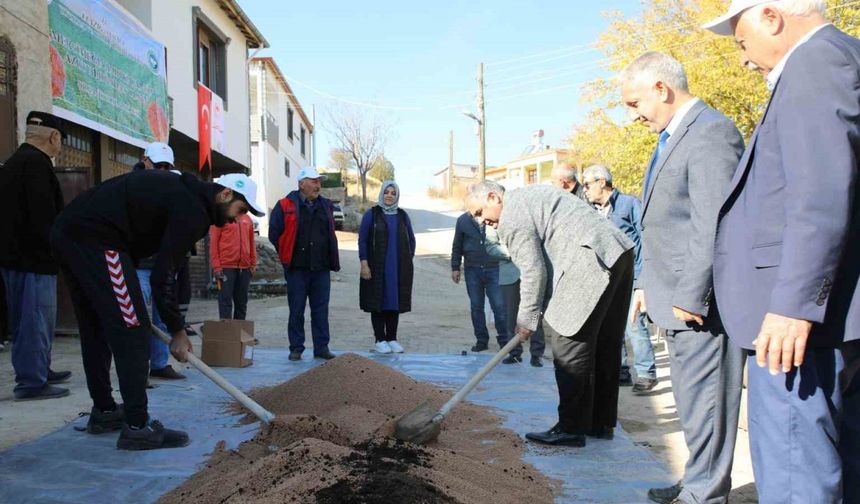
788,241
159,156
301,227
97,240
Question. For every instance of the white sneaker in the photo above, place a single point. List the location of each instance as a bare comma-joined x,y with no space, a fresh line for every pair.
395,347
382,347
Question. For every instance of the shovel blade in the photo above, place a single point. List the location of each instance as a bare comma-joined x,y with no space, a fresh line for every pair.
419,426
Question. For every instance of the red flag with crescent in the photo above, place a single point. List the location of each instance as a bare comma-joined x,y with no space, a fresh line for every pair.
204,123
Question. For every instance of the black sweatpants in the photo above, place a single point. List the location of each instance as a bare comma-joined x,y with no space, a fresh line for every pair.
4,318
587,363
112,321
385,325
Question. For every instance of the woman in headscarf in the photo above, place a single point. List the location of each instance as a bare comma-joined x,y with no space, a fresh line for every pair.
386,246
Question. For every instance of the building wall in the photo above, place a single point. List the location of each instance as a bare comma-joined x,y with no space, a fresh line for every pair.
267,162
172,25
33,83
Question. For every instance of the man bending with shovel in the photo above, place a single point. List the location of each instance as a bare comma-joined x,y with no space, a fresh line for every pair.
98,239
577,273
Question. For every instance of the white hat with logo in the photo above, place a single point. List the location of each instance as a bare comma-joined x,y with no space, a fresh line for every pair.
242,184
158,152
310,172
723,24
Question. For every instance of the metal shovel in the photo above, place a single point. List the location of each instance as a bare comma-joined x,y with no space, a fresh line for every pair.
260,412
423,424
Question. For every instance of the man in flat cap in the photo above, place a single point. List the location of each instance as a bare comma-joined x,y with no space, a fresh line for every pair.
29,206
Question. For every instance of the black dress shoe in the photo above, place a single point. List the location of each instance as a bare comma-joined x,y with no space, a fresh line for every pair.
166,373
55,377
556,437
536,361
324,354
602,433
295,356
512,359
479,347
46,392
643,385
625,380
666,495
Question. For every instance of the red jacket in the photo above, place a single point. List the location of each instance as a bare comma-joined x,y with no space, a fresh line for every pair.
232,246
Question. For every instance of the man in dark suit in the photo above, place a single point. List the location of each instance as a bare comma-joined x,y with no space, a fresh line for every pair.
788,253
684,186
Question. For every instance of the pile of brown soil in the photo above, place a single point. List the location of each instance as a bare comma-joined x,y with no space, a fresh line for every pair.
332,443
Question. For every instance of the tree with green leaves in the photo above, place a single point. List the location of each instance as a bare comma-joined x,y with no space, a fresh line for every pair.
713,68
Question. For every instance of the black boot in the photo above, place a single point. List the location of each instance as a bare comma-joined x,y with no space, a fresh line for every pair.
55,377
479,347
151,436
105,421
512,359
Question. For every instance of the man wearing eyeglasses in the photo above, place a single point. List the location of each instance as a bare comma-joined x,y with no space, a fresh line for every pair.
97,240
625,211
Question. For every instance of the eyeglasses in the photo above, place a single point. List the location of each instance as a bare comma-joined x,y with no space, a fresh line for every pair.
587,184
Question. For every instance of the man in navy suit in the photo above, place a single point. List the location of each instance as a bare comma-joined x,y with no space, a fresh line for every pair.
788,253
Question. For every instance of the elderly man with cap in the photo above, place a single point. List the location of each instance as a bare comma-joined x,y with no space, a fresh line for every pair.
301,227
158,156
788,242
29,206
98,238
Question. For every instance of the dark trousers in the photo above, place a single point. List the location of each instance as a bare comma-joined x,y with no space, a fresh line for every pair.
805,428
112,321
385,325
233,299
511,295
480,282
587,363
4,318
302,287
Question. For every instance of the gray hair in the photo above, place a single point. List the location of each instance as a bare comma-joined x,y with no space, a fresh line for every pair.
658,67
566,171
598,172
800,8
481,190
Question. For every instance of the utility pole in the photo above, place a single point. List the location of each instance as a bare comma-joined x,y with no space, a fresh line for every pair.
451,163
482,125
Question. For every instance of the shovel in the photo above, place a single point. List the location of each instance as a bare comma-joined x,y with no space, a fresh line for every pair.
260,412
423,424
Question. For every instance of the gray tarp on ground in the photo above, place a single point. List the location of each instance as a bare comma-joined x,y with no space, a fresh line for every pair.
73,467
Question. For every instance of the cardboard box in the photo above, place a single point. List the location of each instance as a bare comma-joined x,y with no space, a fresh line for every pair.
228,343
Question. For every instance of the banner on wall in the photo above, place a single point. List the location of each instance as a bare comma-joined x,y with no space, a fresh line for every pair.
107,72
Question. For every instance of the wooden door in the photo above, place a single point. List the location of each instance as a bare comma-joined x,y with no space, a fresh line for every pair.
8,127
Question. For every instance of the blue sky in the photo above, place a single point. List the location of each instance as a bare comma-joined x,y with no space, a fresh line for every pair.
416,63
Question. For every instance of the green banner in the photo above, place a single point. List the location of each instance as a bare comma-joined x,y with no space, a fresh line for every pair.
107,72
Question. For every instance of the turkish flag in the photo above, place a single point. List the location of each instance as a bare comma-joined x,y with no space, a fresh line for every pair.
204,125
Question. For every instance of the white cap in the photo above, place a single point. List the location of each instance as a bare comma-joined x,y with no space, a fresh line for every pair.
310,172
723,24
243,185
158,152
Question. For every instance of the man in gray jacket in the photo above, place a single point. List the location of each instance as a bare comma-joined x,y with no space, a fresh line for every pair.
685,182
576,273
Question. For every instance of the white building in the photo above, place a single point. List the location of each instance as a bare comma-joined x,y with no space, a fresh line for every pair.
281,134
215,36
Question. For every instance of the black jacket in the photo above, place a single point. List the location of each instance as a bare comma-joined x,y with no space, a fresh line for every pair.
31,201
145,213
469,243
